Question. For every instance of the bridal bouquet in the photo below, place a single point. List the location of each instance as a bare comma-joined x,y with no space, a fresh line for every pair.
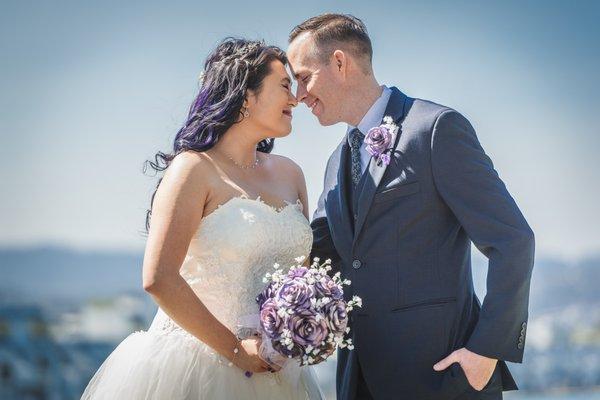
303,314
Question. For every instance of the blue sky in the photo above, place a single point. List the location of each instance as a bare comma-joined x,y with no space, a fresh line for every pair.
88,92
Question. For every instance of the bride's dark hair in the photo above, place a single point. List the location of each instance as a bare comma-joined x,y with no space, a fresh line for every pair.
230,70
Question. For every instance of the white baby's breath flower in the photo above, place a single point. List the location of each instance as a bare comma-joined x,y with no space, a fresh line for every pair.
282,312
300,259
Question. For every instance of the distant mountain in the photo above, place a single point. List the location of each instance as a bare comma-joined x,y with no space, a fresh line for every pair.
52,274
555,284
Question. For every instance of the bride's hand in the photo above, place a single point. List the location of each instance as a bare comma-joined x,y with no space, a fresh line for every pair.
248,358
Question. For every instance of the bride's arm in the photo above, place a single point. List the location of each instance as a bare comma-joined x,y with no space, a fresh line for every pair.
303,196
301,188
176,214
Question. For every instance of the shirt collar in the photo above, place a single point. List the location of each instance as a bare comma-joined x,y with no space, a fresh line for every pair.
374,116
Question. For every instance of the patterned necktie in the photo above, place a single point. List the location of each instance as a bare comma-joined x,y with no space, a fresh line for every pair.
356,140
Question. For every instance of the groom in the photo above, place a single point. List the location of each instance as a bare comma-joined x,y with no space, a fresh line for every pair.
397,216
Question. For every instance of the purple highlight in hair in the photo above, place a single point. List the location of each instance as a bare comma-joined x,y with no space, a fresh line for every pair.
233,68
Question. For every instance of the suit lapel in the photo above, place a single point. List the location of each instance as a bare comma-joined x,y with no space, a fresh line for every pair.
396,109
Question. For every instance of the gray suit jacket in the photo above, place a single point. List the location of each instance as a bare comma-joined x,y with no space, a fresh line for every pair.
408,258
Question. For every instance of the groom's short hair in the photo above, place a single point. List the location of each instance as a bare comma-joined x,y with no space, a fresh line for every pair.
336,30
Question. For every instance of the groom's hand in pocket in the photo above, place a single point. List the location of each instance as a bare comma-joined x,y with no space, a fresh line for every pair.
478,369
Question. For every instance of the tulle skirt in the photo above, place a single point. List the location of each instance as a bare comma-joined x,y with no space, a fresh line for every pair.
159,366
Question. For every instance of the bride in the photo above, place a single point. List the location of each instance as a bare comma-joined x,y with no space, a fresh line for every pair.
223,213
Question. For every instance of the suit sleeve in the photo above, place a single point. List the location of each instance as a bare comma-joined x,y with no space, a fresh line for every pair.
323,246
466,180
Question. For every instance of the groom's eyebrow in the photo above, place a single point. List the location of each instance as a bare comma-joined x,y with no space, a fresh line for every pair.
287,80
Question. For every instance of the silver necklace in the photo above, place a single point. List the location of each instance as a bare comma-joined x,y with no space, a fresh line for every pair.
250,166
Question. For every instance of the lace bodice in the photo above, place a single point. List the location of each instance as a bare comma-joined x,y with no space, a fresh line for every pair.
234,247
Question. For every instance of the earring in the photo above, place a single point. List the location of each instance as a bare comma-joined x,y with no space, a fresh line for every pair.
246,113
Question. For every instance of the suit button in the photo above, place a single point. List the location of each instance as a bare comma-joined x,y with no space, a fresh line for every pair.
356,264
355,216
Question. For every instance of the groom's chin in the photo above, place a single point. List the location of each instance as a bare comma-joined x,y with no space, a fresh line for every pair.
326,122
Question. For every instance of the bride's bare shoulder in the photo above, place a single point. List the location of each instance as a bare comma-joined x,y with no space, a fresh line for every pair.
192,165
284,164
288,170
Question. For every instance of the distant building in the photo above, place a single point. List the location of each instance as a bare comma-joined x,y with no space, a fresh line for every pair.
54,360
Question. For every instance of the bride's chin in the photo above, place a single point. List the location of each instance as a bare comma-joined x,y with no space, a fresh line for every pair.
283,133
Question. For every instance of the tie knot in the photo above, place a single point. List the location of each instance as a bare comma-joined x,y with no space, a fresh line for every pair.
356,138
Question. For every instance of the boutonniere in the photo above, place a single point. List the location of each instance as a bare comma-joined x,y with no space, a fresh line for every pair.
379,140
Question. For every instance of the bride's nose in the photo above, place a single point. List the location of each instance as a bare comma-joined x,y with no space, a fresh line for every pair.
293,101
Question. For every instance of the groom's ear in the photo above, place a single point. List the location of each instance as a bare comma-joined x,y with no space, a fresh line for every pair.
340,61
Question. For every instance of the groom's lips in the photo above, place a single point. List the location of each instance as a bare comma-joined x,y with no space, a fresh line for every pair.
313,105
287,113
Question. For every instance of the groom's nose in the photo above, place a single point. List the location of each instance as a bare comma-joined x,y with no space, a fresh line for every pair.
301,93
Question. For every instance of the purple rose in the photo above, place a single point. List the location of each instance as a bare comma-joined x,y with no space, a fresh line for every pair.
337,316
297,272
296,292
326,287
384,158
305,328
266,294
270,321
378,139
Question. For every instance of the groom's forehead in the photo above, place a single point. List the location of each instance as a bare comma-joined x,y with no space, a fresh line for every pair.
300,50
294,72
299,64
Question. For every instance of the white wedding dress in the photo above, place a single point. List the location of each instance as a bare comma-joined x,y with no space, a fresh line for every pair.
230,253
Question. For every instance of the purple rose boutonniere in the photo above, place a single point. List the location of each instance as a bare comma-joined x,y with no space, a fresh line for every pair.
379,140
